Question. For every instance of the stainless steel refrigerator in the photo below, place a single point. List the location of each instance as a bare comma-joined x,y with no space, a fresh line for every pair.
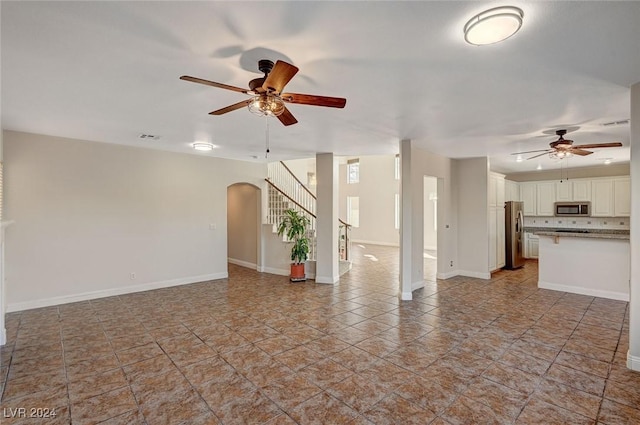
514,234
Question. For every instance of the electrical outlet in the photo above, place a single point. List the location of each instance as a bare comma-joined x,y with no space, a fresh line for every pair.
212,226
451,263
132,276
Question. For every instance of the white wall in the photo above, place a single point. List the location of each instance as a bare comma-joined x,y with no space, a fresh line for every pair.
633,360
301,169
424,163
243,205
473,232
376,190
430,232
89,214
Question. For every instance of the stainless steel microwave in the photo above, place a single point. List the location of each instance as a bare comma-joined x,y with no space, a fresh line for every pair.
573,209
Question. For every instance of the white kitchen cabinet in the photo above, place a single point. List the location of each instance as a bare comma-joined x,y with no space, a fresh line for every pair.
500,236
581,190
564,191
531,245
495,198
500,195
528,196
511,191
622,197
602,198
545,198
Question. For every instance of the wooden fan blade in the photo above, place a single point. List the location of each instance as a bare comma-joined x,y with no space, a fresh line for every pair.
580,152
279,76
536,156
599,145
231,107
539,150
310,99
287,117
213,84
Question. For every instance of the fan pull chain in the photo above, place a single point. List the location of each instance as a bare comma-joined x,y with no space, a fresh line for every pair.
266,118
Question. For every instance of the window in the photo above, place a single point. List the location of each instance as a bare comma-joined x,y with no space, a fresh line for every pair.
353,210
397,211
353,171
397,167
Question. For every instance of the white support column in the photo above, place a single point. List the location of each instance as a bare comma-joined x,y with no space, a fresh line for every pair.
406,221
633,356
3,309
327,260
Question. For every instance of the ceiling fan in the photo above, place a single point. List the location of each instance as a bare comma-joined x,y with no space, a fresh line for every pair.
266,94
564,148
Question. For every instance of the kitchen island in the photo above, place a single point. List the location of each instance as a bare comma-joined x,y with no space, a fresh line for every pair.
595,263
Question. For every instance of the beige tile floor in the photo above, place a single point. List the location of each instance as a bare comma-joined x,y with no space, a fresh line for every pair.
256,349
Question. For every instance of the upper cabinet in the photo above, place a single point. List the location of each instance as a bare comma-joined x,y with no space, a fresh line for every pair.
545,198
622,197
496,190
528,194
564,191
602,198
581,190
609,196
511,191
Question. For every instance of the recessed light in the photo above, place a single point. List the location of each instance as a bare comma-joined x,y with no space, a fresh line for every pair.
607,161
539,167
203,146
519,158
493,25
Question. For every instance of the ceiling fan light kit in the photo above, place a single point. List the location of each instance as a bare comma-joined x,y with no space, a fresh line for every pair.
266,105
493,25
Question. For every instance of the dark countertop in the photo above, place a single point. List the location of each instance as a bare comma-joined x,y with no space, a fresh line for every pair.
580,233
588,231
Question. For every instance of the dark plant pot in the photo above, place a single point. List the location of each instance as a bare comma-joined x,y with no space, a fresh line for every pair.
297,272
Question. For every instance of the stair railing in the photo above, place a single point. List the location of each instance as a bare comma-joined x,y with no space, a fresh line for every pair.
283,181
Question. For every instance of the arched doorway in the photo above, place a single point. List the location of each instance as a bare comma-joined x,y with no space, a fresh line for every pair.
243,225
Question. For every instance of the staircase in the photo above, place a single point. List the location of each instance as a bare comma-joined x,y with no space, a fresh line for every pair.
285,192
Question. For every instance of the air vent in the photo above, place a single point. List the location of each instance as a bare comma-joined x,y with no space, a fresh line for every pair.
148,137
609,124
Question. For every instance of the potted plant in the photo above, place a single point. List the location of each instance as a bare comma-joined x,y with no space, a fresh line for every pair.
294,226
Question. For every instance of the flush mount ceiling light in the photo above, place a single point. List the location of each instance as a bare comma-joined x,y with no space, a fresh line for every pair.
203,146
266,105
493,25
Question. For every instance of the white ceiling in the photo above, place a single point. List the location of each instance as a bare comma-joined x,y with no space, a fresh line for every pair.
109,71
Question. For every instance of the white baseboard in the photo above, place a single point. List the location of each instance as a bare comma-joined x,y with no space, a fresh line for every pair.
417,285
620,296
406,296
363,242
242,263
633,362
3,336
447,275
47,302
331,280
478,275
280,272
